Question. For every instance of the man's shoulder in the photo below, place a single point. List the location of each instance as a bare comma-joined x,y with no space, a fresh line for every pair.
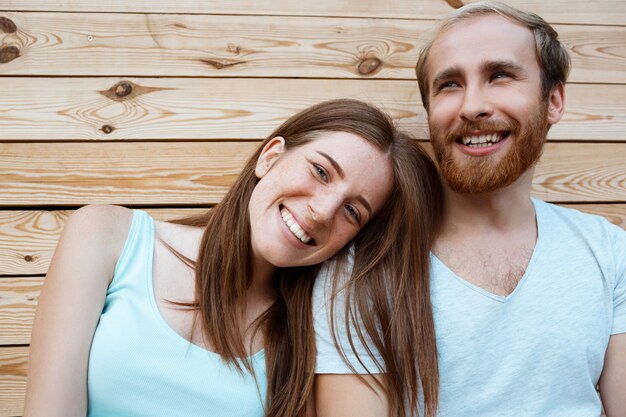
552,213
567,227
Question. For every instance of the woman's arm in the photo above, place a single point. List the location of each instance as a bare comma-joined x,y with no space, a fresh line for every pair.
613,379
347,395
69,308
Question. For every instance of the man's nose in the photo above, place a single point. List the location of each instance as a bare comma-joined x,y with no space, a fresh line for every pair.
476,104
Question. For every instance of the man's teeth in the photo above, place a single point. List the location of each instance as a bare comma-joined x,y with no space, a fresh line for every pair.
481,141
294,226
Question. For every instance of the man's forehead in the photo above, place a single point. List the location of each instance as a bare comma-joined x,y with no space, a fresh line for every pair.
481,38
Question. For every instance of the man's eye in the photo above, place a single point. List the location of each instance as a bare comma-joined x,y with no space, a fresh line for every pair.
500,75
321,172
447,84
352,212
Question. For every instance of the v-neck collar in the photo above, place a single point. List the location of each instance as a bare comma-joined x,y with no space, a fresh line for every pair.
435,261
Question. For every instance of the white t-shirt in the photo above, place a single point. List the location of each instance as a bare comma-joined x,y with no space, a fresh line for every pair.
536,352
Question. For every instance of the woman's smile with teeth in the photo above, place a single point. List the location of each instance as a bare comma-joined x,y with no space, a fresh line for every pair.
294,226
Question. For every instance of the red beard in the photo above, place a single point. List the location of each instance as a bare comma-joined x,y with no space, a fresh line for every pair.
484,174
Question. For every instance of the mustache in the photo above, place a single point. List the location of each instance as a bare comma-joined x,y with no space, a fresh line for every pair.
468,128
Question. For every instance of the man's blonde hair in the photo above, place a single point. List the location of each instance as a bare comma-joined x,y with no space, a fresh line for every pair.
552,55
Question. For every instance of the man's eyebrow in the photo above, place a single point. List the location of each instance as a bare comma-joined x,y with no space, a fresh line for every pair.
451,72
342,174
492,66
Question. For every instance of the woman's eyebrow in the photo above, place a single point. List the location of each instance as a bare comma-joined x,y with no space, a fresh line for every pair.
334,163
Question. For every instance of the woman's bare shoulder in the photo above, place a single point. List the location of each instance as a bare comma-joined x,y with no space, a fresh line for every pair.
183,239
100,228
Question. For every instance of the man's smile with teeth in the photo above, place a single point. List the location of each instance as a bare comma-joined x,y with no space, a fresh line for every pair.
483,140
295,227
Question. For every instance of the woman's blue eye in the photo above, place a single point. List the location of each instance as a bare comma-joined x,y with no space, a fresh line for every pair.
352,212
321,172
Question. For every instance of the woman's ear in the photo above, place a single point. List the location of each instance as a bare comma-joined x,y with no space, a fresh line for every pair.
270,153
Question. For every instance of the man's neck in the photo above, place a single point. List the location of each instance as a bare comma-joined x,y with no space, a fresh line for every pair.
488,239
504,210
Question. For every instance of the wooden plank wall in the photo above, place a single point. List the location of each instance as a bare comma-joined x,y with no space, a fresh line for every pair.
156,104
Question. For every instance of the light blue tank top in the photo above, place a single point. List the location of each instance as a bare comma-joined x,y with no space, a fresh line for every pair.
140,367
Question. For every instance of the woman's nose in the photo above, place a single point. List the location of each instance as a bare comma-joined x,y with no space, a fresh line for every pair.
322,208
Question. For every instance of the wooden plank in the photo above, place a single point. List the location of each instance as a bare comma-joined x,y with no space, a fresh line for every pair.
28,239
18,300
259,46
169,174
599,12
206,108
192,45
127,173
582,172
13,368
174,108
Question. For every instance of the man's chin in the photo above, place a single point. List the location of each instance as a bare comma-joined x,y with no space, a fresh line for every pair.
486,177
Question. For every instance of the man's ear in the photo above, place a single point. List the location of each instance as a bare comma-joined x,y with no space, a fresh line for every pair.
272,150
556,104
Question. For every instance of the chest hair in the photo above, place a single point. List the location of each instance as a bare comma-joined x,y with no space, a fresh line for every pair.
496,267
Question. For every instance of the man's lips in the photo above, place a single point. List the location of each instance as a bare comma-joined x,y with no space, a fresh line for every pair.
483,144
482,139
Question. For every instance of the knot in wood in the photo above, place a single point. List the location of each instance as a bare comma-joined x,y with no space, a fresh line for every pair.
455,3
107,129
234,49
28,258
123,89
8,54
369,65
7,25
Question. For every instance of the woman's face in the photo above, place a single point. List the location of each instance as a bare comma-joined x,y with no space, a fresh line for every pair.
313,199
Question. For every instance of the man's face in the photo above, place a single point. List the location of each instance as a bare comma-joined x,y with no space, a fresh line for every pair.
487,119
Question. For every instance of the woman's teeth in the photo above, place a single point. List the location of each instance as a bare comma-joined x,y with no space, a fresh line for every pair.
294,226
481,141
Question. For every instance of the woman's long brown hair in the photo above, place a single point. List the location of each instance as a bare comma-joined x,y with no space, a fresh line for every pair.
389,285
388,293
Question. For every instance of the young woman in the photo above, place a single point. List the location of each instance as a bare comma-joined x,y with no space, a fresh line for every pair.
211,315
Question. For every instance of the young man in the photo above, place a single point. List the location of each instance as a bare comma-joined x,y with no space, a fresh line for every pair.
529,299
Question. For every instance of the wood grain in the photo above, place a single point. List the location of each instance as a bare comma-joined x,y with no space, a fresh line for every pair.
18,300
600,12
13,368
170,174
128,173
179,108
45,109
585,172
260,46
